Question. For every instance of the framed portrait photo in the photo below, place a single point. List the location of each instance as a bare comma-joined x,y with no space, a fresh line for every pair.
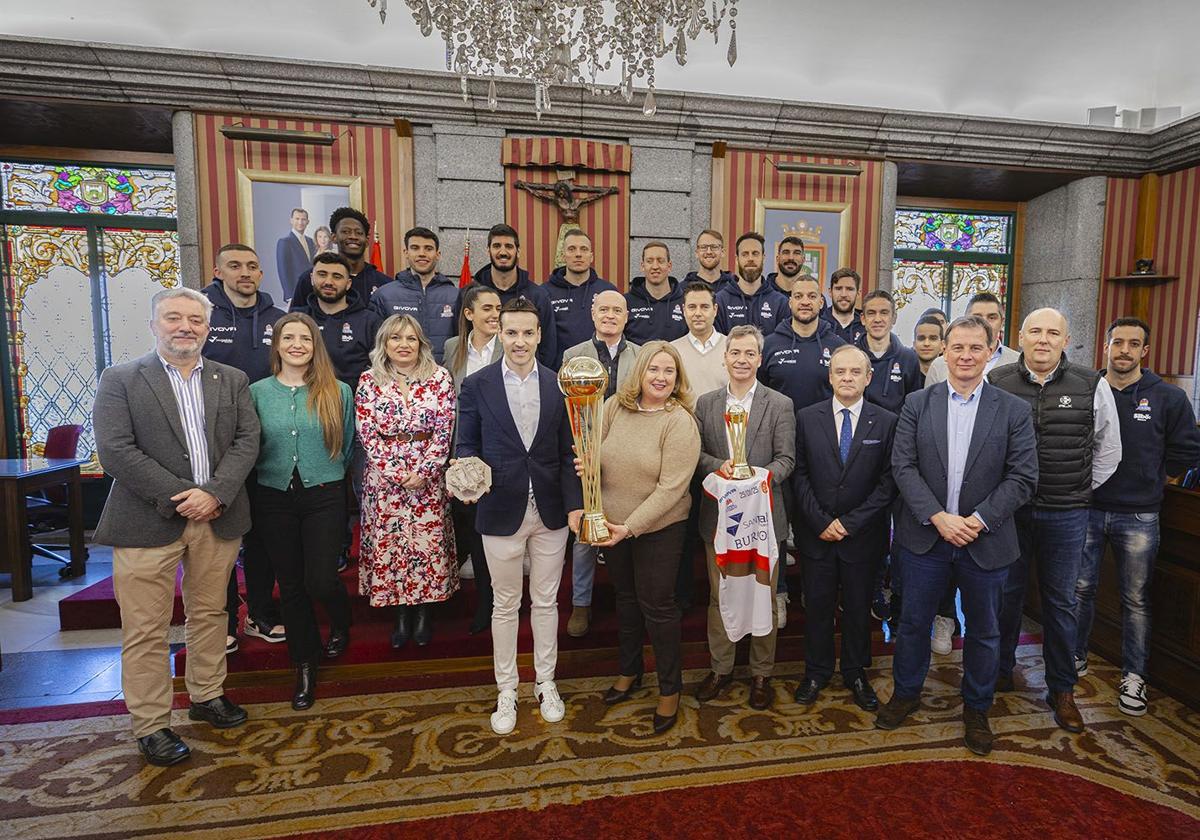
824,228
285,218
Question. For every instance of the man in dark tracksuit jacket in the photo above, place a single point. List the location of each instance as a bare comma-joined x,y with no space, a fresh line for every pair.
547,350
573,307
348,333
895,369
798,365
240,330
433,305
651,318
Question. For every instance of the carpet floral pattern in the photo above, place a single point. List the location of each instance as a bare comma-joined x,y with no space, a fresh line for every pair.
378,759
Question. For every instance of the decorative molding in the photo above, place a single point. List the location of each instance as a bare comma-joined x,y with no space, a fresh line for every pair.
210,81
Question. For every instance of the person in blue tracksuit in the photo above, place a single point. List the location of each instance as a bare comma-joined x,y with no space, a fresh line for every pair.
895,369
351,231
510,283
710,256
841,314
421,291
796,355
655,299
572,288
347,326
751,299
789,264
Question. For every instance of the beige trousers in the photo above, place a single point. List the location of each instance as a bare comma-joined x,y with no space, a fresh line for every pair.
144,583
720,649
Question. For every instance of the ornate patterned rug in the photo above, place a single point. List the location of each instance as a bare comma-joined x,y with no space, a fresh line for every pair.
388,764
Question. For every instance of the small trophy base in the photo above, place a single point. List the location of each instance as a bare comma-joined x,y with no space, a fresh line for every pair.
593,529
741,471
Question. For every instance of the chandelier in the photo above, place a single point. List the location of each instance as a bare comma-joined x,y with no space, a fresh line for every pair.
559,42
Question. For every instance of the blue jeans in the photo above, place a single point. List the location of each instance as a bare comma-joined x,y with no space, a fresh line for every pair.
926,577
1134,539
1055,538
583,573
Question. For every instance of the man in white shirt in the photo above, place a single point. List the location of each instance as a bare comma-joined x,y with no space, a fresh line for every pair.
703,348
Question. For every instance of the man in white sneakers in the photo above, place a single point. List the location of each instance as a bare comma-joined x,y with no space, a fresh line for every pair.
533,494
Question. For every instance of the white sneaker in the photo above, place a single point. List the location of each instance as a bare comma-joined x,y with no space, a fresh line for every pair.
1132,700
781,605
550,704
942,641
467,570
504,719
1081,668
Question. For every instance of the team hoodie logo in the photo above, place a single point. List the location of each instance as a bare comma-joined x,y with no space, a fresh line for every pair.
347,333
268,333
1142,412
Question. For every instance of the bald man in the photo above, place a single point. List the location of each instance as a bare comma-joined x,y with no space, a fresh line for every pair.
1079,447
608,346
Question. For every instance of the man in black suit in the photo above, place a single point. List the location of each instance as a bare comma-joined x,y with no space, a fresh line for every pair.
965,460
844,487
294,252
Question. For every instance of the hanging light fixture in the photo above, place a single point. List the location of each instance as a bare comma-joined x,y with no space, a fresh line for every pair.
559,42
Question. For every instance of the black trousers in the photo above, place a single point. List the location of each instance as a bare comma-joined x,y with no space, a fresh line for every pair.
302,527
643,571
260,577
685,579
469,542
823,577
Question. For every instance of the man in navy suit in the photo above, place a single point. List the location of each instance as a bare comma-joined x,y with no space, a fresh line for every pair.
534,494
294,252
965,460
844,487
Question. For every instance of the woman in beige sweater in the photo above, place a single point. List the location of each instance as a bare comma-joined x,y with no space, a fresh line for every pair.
648,455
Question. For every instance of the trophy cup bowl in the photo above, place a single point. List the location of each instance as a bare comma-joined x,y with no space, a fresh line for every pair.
583,382
736,418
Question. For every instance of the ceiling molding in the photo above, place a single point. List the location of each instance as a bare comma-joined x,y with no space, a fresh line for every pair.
176,79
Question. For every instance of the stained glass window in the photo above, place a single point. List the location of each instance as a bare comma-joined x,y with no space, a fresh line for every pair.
81,188
938,230
969,279
917,285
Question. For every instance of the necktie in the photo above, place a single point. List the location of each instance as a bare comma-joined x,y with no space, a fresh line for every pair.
847,434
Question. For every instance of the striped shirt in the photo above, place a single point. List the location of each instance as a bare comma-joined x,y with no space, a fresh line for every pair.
189,396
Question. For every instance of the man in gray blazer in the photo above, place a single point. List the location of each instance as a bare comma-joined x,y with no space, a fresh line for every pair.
608,346
178,434
771,444
965,459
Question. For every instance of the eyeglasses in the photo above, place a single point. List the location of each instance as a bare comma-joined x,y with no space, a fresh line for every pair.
708,247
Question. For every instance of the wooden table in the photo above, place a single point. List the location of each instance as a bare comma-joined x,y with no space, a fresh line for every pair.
18,478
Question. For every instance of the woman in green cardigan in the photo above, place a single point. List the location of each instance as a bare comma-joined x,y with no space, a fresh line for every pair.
307,418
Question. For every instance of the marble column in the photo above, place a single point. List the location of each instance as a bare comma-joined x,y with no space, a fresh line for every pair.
887,225
183,143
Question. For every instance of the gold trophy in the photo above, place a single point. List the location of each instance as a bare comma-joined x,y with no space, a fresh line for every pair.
735,423
583,382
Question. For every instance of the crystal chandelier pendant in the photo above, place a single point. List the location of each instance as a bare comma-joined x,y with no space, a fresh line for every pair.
492,101
681,51
466,95
649,106
731,56
425,20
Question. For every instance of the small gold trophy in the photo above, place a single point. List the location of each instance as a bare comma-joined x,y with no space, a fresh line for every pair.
583,382
735,424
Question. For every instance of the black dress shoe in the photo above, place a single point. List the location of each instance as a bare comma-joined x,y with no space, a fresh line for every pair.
977,732
338,641
423,625
895,711
664,722
712,686
306,686
760,693
864,695
482,621
219,712
615,695
403,627
163,748
1004,682
808,691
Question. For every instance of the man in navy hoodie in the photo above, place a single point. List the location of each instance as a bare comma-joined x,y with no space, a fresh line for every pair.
789,262
510,283
895,369
796,355
572,288
351,232
421,291
710,255
655,299
240,330
841,315
750,300
1158,438
347,326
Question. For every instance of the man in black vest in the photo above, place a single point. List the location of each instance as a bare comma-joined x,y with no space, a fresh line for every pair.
1079,447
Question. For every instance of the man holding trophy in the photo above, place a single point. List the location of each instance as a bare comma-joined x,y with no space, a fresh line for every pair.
533,494
747,430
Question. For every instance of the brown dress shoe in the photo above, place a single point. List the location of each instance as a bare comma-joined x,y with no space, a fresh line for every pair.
1066,713
977,732
895,711
580,622
712,686
760,693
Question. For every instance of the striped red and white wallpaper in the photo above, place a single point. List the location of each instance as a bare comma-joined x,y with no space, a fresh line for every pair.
749,175
372,152
1173,306
537,221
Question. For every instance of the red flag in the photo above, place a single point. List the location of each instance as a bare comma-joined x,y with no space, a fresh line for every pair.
464,276
377,253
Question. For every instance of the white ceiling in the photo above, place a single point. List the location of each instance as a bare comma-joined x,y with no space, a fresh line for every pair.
1032,59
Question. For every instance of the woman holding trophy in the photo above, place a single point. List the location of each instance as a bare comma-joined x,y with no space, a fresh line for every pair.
648,450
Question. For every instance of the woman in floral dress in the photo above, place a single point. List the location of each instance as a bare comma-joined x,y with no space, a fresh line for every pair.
405,416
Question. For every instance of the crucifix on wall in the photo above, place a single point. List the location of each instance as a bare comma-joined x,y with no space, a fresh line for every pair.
568,197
